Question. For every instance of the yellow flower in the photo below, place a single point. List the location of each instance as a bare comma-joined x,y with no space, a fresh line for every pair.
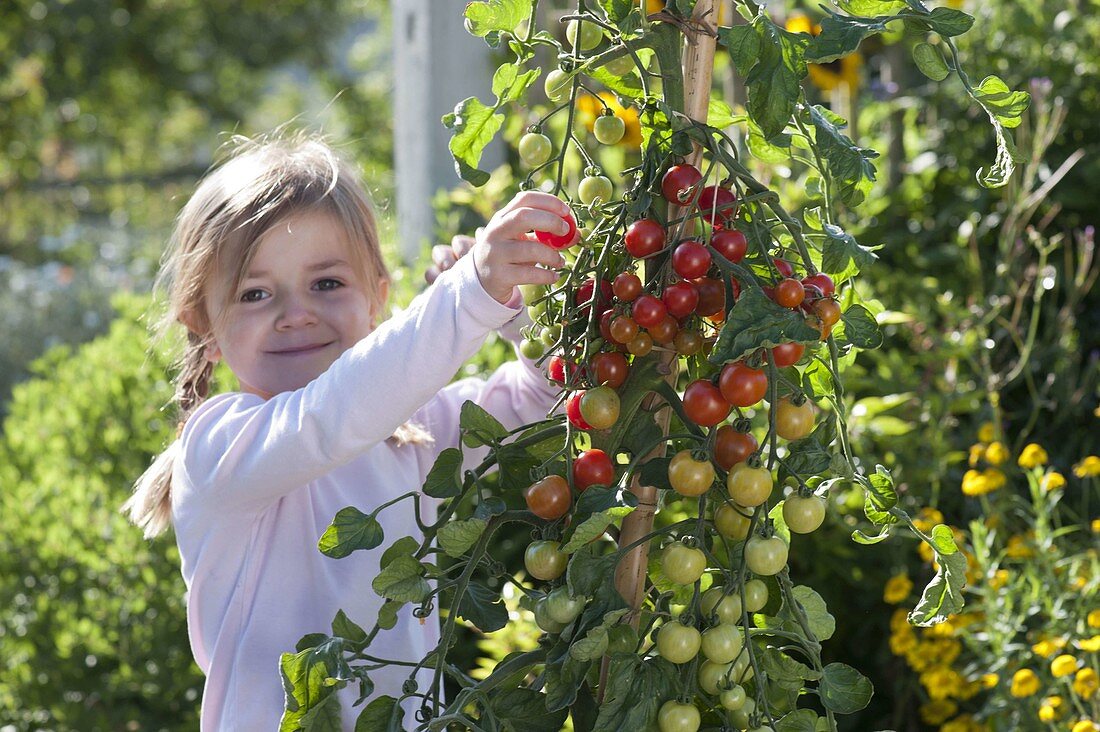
1087,468
902,643
1089,645
1053,481
1085,725
974,483
1049,710
1032,456
985,432
1047,647
963,723
994,479
1095,526
1024,683
941,682
1064,665
938,711
1085,683
996,453
976,452
925,551
927,518
897,589
989,681
1094,619
998,580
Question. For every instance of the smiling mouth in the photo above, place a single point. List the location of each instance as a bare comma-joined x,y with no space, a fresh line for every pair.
301,351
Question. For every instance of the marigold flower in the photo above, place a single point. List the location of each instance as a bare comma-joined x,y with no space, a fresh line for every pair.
928,518
1085,725
990,680
974,483
925,551
1093,619
1086,683
999,579
976,453
1047,647
996,453
1032,456
1049,710
1095,526
897,588
986,432
1087,468
1024,683
1064,665
1053,480
994,479
938,711
1089,645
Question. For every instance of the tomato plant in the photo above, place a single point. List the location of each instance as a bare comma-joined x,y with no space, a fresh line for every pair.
549,498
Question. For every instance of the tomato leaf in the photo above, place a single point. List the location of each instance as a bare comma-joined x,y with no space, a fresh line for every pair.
387,614
635,688
617,10
483,608
774,81
474,126
743,43
600,498
776,150
861,538
945,21
1003,104
844,690
509,84
456,537
343,627
478,426
563,679
860,328
445,479
303,676
943,539
404,545
847,165
844,256
822,623
593,527
757,322
840,36
497,15
880,489
871,7
521,708
587,571
780,667
930,61
402,580
943,595
349,531
654,472
800,720
383,714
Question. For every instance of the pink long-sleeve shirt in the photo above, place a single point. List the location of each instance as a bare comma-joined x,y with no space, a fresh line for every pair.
256,483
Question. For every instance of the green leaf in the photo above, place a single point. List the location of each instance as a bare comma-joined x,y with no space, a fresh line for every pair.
719,114
757,322
478,426
509,84
343,627
474,127
350,530
402,580
881,489
822,623
861,538
617,10
743,44
943,539
1002,104
593,527
483,607
840,36
654,472
497,15
949,21
456,537
871,7
943,595
525,709
774,82
844,690
1005,162
860,327
847,165
587,571
324,717
776,150
563,680
445,478
592,646
844,256
800,720
635,688
303,676
387,614
383,714
404,545
930,61
625,86
778,666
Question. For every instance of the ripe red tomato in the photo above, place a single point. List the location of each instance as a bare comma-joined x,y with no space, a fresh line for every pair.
742,386
712,296
732,447
823,282
644,237
783,266
704,405
626,286
555,369
731,244
827,311
676,182
787,354
549,498
690,260
610,369
592,467
648,311
664,331
573,411
680,299
583,297
716,204
559,241
790,293
605,325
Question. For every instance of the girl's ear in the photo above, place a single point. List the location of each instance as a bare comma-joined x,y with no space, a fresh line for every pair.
383,297
212,352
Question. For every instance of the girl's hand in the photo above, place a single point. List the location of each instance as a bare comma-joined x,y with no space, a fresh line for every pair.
444,256
506,250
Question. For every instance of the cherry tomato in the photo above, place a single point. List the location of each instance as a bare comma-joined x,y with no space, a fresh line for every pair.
803,514
543,619
688,476
791,422
765,557
783,267
732,447
823,282
690,260
559,241
680,299
557,367
623,329
592,467
677,642
733,699
704,405
610,369
716,204
641,345
756,595
534,149
731,244
683,564
620,65
742,386
573,411
677,181
712,296
688,342
787,354
609,129
676,717
545,560
790,293
749,486
827,311
605,325
593,187
531,349
549,498
726,608
563,607
664,331
722,643
557,85
626,286
648,311
713,676
590,34
732,521
600,407
583,296
644,237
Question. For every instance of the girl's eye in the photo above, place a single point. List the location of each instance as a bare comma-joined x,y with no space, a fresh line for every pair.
246,295
329,279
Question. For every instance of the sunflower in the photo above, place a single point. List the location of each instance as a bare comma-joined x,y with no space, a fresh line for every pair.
830,76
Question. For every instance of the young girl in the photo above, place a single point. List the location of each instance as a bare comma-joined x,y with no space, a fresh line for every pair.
275,267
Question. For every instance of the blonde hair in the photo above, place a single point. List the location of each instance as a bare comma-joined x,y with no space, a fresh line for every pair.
263,181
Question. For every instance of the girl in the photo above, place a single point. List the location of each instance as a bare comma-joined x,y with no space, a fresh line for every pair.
275,267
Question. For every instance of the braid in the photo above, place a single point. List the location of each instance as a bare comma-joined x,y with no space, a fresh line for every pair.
193,383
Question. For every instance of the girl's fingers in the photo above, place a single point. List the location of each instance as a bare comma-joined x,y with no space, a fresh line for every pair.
461,244
431,274
512,224
529,252
443,257
523,274
539,200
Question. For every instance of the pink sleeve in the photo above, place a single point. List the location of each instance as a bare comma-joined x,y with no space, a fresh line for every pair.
245,452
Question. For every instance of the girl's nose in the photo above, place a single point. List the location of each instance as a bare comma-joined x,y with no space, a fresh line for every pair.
295,313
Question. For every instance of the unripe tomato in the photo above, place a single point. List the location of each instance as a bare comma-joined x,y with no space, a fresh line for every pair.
557,85
532,293
742,672
704,405
648,311
543,619
823,283
676,717
563,607
677,182
678,643
712,296
742,386
713,676
731,244
690,260
545,560
827,311
592,467
594,187
789,292
756,595
732,447
664,331
600,407
765,557
620,65
531,349
559,241
626,286
716,204
623,329
731,522
680,299
787,354
793,422
688,476
573,411
726,608
803,514
549,498
550,335
610,369
688,342
733,699
683,564
722,643
644,237
535,149
749,486
641,345
609,129
590,34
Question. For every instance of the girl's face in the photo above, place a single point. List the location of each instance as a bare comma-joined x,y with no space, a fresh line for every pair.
301,305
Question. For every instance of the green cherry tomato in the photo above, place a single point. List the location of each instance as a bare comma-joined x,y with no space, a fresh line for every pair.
742,672
688,476
534,149
609,129
732,521
543,619
595,187
531,349
756,595
727,608
532,293
713,676
557,85
791,422
620,65
600,407
749,486
722,643
683,564
545,560
733,699
803,514
562,607
677,642
676,717
591,34
765,557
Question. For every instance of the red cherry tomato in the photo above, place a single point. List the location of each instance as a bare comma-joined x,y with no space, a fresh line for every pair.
742,386
680,299
573,411
790,293
605,325
712,296
626,286
731,244
823,282
787,354
648,311
676,182
644,237
716,204
549,498
828,311
610,369
732,447
665,331
784,267
690,260
562,241
704,405
555,369
583,297
592,467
